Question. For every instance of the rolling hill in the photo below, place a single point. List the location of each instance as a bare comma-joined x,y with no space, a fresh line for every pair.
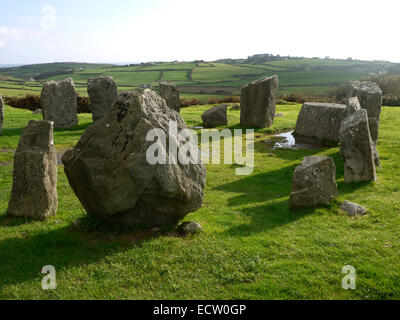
311,76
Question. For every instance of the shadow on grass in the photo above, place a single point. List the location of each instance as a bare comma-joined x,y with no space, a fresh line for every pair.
22,257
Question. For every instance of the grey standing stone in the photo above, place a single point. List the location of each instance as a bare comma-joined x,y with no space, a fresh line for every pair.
59,103
313,183
109,172
258,102
1,114
171,95
370,97
216,116
321,120
353,209
353,105
102,93
34,190
356,148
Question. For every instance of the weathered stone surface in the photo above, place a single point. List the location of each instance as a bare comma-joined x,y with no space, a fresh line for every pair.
59,103
216,116
111,176
356,148
171,95
353,105
34,190
313,183
235,107
370,97
1,114
258,102
38,111
353,209
102,93
320,120
189,227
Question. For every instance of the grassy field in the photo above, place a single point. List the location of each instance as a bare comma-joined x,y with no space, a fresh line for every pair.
311,76
252,247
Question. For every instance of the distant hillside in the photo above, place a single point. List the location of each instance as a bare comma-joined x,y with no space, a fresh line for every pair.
311,76
38,71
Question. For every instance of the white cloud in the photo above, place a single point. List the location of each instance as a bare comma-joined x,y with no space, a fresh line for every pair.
49,18
9,35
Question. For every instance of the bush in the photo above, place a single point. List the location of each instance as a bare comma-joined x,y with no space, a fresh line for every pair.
83,105
29,102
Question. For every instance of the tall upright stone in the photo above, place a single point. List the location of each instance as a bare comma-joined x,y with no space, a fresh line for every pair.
102,93
356,147
113,177
170,94
1,114
313,183
34,189
59,103
258,102
320,120
370,96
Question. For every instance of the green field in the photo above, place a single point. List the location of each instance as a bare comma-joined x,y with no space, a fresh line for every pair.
311,76
252,247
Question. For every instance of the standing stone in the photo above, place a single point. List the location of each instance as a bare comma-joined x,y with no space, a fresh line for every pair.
356,148
171,95
258,103
370,96
59,103
1,114
34,190
321,120
112,177
216,116
313,183
353,105
102,93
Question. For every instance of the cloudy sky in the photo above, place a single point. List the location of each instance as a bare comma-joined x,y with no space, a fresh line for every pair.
160,30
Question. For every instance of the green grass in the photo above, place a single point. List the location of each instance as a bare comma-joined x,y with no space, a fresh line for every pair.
252,247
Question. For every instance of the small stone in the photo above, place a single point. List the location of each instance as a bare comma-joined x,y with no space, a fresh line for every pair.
313,183
235,107
170,94
353,209
216,116
278,115
37,111
189,227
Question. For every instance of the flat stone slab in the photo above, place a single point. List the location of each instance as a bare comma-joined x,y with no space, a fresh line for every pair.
353,209
321,120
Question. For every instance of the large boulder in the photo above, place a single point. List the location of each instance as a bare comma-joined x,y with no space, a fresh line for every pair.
321,120
171,95
34,189
59,103
258,103
102,93
370,96
1,114
109,172
216,116
356,148
313,183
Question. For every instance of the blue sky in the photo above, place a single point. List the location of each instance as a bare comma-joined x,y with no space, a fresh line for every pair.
159,30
